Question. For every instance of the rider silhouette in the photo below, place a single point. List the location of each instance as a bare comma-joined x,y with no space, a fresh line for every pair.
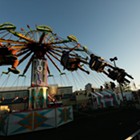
8,57
96,63
119,75
71,63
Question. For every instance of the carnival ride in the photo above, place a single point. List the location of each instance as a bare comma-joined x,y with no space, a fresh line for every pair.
68,54
42,51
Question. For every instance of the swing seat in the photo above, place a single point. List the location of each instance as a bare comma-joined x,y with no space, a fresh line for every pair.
72,65
97,66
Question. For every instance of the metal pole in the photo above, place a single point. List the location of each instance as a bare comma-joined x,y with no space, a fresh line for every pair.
121,90
114,63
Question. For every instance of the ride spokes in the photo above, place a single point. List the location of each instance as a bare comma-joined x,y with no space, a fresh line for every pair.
41,43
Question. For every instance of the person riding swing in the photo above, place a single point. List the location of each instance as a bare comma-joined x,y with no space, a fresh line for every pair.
119,75
8,57
71,63
96,63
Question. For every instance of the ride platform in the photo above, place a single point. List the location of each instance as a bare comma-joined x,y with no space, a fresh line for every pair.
13,123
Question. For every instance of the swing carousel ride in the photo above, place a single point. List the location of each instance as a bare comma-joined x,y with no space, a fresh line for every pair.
62,54
45,54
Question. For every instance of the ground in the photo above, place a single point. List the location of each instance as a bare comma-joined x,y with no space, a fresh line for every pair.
109,124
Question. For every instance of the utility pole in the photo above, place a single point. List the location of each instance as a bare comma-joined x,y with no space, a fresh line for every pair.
114,61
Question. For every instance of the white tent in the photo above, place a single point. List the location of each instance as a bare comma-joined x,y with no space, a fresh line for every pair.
98,100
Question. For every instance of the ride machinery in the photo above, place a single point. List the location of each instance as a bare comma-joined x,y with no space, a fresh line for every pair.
41,46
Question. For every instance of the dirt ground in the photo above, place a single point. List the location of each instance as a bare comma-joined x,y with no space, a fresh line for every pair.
109,124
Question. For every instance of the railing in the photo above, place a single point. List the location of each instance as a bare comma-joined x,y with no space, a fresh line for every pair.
134,136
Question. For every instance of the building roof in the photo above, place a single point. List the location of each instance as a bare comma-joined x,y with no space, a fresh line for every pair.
13,88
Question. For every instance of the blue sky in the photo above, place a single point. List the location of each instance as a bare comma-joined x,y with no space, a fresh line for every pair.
107,27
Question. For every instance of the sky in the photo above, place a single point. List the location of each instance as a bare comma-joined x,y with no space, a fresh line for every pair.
108,28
